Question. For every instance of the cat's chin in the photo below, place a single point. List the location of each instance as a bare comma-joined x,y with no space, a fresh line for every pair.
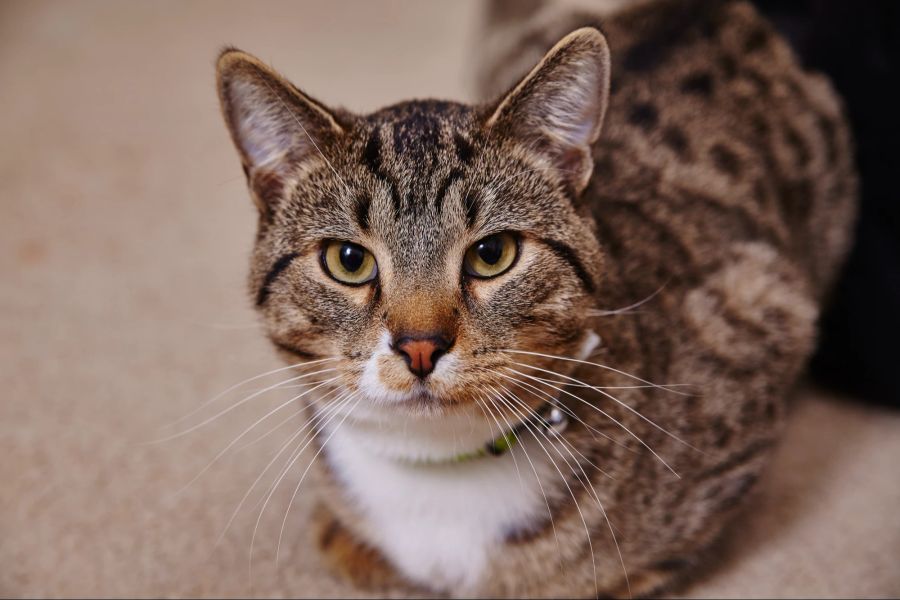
419,403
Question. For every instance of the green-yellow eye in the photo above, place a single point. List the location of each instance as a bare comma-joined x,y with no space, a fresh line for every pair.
349,263
491,256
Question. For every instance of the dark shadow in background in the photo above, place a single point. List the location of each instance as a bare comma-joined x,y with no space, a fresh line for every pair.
858,45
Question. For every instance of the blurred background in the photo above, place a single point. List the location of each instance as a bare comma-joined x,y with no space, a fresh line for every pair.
125,231
858,46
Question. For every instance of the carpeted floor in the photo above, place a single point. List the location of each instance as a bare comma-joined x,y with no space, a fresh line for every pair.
124,236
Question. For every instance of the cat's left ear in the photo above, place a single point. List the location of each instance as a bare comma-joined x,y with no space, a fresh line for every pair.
558,107
275,126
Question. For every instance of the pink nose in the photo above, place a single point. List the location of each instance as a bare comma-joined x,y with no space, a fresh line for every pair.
422,353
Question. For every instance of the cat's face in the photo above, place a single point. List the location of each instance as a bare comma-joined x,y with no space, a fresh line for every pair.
414,247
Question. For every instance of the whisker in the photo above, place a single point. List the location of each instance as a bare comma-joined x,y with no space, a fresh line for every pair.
624,309
529,427
608,416
566,410
272,430
608,368
318,418
537,478
617,401
340,401
515,461
529,411
285,421
240,383
303,476
587,482
239,403
610,387
311,140
245,432
272,490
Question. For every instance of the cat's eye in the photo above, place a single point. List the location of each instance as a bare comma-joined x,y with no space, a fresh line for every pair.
349,263
491,256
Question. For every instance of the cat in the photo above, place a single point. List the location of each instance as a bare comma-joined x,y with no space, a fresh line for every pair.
557,329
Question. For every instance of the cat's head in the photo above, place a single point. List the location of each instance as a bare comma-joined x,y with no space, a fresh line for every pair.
414,246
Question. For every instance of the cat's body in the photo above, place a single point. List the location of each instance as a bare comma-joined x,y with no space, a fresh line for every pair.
722,195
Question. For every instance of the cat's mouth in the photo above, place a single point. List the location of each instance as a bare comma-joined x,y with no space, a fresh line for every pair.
422,396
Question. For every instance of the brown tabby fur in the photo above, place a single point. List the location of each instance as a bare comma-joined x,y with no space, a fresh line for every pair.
722,190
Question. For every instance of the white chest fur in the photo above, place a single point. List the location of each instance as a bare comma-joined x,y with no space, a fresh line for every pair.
439,523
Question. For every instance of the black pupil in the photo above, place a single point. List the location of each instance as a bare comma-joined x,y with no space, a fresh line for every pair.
490,249
352,257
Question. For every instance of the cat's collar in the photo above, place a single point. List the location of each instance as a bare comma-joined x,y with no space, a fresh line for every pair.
549,419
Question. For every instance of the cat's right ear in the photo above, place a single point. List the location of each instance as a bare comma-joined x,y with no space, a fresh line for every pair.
275,126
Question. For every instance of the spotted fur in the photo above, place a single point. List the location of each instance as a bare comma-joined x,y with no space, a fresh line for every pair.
720,190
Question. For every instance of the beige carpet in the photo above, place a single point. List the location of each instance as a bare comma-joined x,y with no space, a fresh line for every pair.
124,236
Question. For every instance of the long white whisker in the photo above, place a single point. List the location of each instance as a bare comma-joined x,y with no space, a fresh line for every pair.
616,400
624,309
248,430
515,461
338,402
587,532
239,403
284,422
608,368
318,418
612,387
272,430
274,487
587,483
537,478
608,416
303,476
528,410
535,390
246,381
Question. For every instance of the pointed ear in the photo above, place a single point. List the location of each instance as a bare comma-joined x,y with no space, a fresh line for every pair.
558,107
274,126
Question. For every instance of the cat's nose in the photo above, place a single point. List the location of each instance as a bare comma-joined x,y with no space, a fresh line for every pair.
421,353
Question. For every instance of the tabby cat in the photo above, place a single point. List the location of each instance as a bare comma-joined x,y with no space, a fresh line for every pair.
558,357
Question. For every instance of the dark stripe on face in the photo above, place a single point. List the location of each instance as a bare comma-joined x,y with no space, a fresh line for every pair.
472,205
362,211
565,252
455,175
464,150
372,153
372,161
280,265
